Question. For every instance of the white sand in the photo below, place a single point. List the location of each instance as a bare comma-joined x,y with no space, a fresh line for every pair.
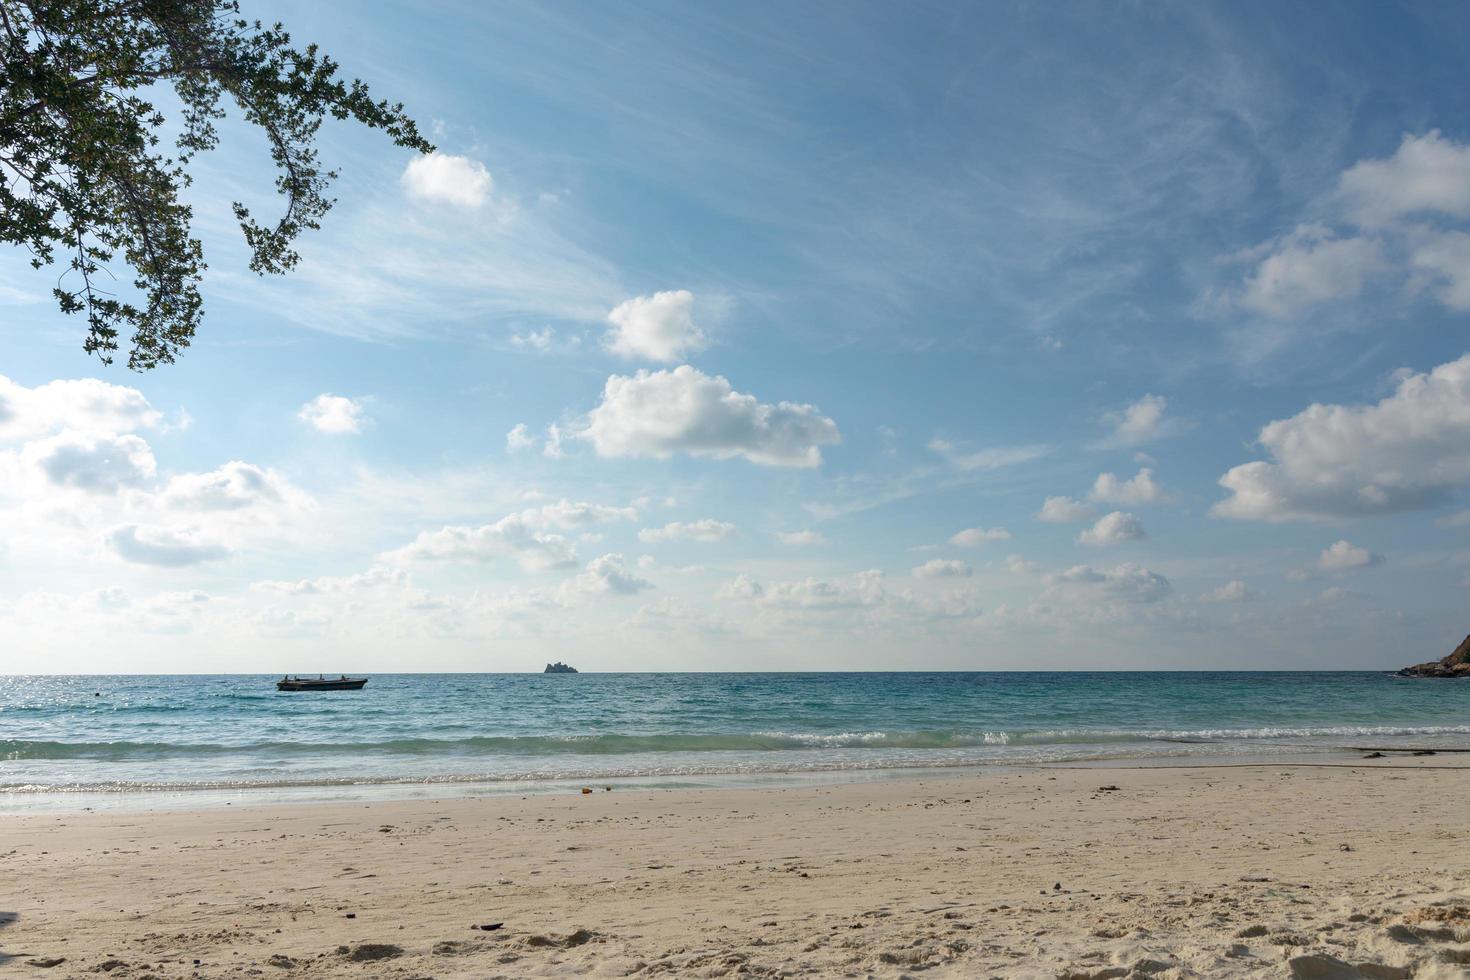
935,878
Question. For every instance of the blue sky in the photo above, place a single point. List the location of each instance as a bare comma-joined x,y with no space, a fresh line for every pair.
773,337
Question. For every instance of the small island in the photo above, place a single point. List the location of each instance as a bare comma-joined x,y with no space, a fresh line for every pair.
559,668
1456,664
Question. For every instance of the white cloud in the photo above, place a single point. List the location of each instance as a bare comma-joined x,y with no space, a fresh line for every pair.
170,612
1457,519
536,340
1445,258
659,327
800,538
1233,591
377,577
974,537
1344,555
112,613
511,536
524,606
608,575
552,449
1385,199
1141,489
987,459
1143,421
99,462
522,536
444,178
943,568
1112,529
97,480
684,410
856,591
706,530
1427,174
1063,510
517,439
1409,451
1020,565
1308,267
742,586
333,414
670,614
274,621
234,486
1126,583
645,502
165,547
81,405
566,514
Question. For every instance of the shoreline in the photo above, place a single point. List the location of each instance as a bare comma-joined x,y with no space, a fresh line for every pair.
1041,872
187,797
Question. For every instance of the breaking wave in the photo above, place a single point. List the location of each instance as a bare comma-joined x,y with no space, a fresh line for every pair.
752,742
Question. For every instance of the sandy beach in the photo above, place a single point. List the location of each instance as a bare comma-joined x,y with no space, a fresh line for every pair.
1272,870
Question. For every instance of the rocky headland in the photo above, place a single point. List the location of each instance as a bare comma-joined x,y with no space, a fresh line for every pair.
1456,664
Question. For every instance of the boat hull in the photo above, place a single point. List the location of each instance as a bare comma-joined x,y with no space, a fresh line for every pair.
343,684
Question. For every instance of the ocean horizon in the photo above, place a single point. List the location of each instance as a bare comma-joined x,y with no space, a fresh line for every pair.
64,735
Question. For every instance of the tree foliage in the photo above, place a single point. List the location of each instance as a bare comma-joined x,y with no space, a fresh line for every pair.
84,183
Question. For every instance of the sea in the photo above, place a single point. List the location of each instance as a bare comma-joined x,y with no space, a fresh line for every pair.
106,740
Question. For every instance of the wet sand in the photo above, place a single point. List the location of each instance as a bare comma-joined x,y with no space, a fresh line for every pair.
1261,871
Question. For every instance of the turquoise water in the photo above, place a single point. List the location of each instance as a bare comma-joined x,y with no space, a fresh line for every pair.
120,733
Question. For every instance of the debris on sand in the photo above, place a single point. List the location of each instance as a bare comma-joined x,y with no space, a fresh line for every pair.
1439,913
369,952
578,938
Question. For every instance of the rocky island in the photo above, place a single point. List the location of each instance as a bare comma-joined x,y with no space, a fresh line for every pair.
1456,664
559,668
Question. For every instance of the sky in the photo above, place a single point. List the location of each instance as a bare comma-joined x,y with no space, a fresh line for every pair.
773,337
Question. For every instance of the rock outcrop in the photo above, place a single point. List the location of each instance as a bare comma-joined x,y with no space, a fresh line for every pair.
1456,664
559,668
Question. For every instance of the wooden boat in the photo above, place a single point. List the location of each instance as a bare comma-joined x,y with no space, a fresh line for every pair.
343,683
